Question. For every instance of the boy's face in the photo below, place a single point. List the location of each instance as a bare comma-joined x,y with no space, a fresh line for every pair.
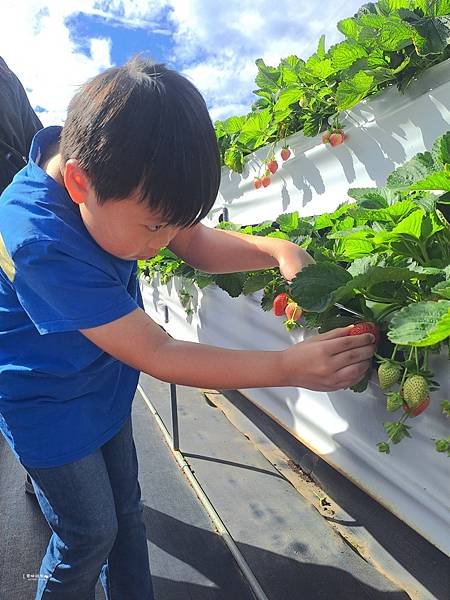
126,228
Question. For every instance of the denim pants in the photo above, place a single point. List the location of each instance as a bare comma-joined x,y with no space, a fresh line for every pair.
94,509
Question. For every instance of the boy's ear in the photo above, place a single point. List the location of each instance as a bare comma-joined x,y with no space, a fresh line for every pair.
76,181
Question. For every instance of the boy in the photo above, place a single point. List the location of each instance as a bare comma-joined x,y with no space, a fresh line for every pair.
135,168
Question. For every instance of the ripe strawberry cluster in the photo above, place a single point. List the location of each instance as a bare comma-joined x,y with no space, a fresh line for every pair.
285,306
334,136
271,169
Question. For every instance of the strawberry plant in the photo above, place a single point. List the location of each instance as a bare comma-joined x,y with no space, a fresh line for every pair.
385,254
385,43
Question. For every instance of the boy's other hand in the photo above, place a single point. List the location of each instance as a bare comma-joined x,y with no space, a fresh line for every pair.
292,259
329,361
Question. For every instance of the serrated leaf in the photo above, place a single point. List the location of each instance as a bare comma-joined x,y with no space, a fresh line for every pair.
436,181
349,28
442,289
377,275
288,96
421,324
411,225
288,221
267,77
254,126
351,91
233,125
234,159
344,54
416,169
315,287
320,68
256,282
231,283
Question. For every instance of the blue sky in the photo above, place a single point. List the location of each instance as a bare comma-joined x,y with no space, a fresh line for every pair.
55,45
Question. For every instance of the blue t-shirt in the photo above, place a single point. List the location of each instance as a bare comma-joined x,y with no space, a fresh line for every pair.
61,396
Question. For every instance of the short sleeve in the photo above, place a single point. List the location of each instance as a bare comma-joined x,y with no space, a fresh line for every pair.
62,292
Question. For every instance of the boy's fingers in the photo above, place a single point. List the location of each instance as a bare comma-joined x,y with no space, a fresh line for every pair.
352,374
335,333
352,356
351,342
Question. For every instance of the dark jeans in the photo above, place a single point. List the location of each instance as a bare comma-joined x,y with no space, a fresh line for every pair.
94,509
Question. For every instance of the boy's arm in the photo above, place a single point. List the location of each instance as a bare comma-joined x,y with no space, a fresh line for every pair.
219,251
326,362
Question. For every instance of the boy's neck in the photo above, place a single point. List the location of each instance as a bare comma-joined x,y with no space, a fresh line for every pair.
52,166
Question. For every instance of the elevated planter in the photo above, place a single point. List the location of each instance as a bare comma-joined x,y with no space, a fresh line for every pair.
342,427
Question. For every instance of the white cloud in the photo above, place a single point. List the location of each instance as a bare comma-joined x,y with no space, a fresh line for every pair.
215,43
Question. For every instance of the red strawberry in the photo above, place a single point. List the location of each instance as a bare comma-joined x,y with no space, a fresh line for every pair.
257,183
326,136
279,304
336,138
265,180
416,411
366,327
272,165
285,153
293,311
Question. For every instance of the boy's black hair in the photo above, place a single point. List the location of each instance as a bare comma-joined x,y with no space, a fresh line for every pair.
143,127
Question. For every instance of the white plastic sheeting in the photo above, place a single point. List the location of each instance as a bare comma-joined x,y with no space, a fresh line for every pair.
342,427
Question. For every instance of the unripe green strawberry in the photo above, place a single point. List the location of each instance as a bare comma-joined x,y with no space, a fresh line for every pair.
415,390
388,374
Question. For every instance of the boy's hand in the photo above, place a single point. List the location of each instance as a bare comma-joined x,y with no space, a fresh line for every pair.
329,361
292,259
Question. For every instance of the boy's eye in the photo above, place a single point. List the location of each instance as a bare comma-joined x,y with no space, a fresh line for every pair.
154,227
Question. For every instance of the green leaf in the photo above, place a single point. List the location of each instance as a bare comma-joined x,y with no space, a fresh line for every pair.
349,28
343,55
267,77
350,92
288,96
321,47
442,289
233,125
395,34
256,281
315,287
377,275
416,169
441,151
397,431
433,33
234,159
411,225
320,68
312,125
435,181
254,126
232,283
288,221
421,324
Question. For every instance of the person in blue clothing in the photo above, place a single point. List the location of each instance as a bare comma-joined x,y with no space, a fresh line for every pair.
135,168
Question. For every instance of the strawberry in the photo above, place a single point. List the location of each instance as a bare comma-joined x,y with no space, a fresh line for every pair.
272,165
257,182
265,181
415,390
336,138
388,374
303,102
417,410
326,136
366,327
293,311
279,304
285,153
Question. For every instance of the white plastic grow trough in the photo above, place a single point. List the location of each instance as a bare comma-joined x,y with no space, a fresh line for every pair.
342,427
